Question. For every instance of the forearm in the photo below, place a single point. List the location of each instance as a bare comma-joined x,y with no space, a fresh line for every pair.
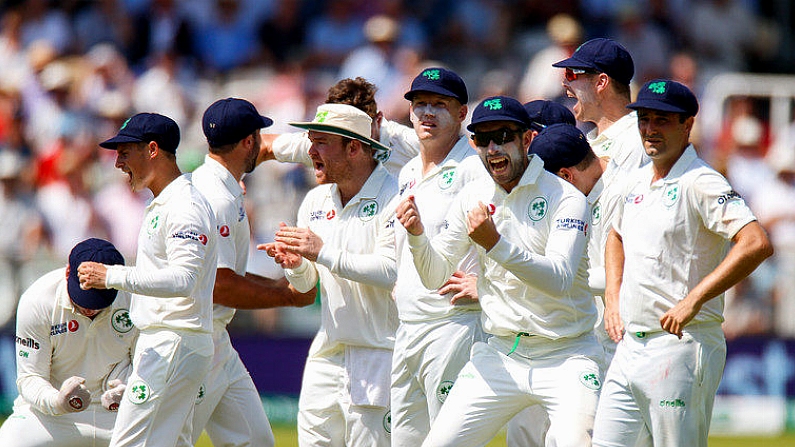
372,269
39,393
164,283
553,275
257,292
614,268
433,268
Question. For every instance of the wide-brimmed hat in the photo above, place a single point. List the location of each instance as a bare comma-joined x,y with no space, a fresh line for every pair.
344,120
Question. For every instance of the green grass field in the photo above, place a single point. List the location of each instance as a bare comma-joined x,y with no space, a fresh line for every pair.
287,437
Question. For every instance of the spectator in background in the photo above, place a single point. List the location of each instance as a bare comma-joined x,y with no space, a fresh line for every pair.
281,36
92,25
229,40
333,34
163,27
375,61
541,80
42,20
642,38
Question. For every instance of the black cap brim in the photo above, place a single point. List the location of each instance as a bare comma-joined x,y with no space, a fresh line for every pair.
118,139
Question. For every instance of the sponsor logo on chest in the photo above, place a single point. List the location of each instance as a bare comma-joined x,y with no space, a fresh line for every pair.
62,328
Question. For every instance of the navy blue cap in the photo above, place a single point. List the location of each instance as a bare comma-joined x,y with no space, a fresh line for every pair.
603,55
544,113
97,250
499,108
146,127
229,120
560,146
439,80
667,96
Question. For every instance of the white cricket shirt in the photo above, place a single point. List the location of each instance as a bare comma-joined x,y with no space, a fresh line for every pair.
402,140
233,232
172,283
620,143
433,194
54,342
675,231
534,279
356,265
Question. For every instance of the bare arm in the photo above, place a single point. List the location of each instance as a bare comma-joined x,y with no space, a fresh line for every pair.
257,292
614,271
751,247
266,148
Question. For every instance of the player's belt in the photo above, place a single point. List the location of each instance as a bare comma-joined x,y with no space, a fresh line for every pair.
519,335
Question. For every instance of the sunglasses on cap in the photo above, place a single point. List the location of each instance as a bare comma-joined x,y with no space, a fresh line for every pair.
572,74
499,136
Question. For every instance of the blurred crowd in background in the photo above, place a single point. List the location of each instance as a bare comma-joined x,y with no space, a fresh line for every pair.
71,71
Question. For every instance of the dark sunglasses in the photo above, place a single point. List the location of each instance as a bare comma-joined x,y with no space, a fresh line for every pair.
499,137
572,74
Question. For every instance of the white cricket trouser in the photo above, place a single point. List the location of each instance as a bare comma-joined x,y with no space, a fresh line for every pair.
229,406
659,389
428,357
157,407
29,428
562,376
344,399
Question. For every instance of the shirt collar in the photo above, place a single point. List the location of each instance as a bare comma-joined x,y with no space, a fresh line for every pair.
171,189
534,168
222,173
626,123
681,165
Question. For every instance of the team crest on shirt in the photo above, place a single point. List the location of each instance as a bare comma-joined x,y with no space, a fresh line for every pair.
596,213
444,390
388,421
121,322
200,395
367,209
537,209
152,225
671,194
139,392
590,380
445,180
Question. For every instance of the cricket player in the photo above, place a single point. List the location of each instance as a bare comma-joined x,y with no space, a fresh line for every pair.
172,287
399,143
230,408
74,354
529,229
680,238
438,325
344,237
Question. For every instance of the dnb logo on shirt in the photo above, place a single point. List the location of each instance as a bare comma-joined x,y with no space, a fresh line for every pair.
590,380
537,209
670,194
444,390
446,178
121,322
367,209
152,225
139,392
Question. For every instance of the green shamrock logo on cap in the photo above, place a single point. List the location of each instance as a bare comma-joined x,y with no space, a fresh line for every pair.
321,116
493,104
432,75
657,87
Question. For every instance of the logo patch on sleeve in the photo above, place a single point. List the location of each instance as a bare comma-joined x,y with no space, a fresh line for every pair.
590,380
444,390
139,392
